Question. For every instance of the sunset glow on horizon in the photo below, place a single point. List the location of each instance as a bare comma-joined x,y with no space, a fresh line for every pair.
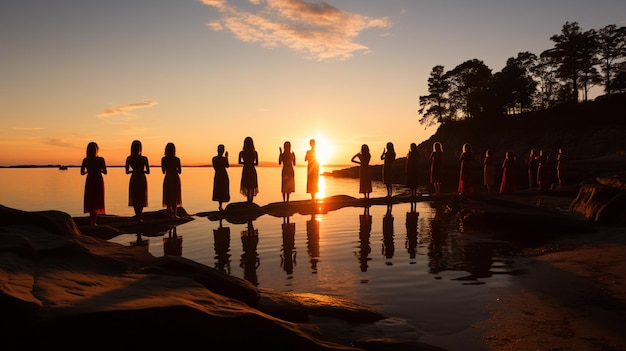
200,73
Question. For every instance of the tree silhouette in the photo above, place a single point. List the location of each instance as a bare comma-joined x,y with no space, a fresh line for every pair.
434,106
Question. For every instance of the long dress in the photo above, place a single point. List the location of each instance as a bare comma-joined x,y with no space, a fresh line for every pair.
542,173
507,186
249,180
466,185
436,175
489,172
365,175
288,184
533,165
138,186
94,185
172,192
221,182
313,172
388,168
411,170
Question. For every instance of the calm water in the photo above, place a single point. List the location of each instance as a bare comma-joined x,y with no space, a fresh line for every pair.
404,264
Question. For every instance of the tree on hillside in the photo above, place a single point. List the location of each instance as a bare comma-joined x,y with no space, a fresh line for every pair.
611,52
434,106
545,71
574,51
469,87
514,86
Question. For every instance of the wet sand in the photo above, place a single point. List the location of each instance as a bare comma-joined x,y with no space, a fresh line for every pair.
573,297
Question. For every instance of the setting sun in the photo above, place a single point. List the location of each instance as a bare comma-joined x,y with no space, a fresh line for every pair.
324,149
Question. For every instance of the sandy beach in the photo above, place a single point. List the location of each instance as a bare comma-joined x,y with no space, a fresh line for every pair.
573,297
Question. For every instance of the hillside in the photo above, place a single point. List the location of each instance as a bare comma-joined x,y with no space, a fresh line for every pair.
593,133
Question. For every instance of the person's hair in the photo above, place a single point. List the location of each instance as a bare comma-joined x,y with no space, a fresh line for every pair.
220,148
312,142
365,149
170,149
413,146
287,146
390,147
437,146
92,150
248,144
135,148
488,152
467,147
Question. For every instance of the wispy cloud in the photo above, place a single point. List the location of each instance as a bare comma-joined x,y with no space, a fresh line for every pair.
317,30
59,142
27,129
124,110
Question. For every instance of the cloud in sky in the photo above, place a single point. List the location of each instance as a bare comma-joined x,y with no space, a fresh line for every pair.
123,110
317,30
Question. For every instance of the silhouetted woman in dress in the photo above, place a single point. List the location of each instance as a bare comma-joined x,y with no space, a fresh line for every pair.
288,159
507,186
137,166
172,192
221,182
466,185
389,157
412,169
542,171
365,177
249,158
489,171
561,166
313,170
94,167
436,171
533,165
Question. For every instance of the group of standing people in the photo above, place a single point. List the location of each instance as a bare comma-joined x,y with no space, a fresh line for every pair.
138,166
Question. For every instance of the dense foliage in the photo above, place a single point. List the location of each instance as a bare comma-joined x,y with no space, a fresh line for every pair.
565,73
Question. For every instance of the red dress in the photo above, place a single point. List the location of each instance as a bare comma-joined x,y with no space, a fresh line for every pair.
465,178
507,186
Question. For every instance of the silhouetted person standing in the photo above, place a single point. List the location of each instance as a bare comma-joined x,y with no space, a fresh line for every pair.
249,158
94,167
507,186
561,166
221,183
313,170
412,169
172,190
436,171
389,157
533,165
288,159
365,177
466,185
542,171
489,171
137,166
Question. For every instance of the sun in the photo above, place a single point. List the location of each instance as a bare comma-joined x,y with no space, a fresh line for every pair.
324,149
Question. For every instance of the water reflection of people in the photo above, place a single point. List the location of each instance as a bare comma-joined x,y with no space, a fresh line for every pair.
388,245
437,240
313,241
172,244
221,243
365,229
288,257
249,258
411,233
